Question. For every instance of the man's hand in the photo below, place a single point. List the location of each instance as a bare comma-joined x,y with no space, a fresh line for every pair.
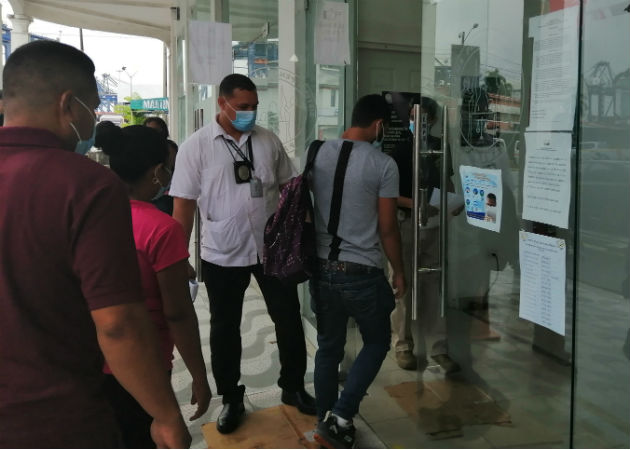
398,284
172,434
201,396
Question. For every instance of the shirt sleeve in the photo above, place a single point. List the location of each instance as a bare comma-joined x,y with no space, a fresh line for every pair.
186,182
168,246
103,249
389,180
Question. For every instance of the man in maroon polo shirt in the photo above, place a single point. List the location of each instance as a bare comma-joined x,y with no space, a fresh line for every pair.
69,281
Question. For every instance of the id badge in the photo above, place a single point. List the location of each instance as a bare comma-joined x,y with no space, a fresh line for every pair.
256,187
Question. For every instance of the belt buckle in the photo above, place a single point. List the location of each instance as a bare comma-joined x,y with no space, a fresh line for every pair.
341,266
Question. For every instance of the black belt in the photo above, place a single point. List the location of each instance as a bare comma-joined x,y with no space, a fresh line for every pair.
346,267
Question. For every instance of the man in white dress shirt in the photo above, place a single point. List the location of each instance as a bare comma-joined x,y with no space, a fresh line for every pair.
232,170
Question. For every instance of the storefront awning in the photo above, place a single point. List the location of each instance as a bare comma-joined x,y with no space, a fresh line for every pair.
151,18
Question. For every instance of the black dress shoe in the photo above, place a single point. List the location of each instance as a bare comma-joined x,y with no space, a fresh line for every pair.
302,400
230,417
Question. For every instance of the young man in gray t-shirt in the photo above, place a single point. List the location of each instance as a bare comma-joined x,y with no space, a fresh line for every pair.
350,281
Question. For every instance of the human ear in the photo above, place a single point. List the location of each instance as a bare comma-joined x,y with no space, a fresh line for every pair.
64,106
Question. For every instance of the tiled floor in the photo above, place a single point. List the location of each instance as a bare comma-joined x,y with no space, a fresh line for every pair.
534,388
259,368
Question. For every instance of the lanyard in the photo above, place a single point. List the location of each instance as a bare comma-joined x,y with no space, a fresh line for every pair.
230,143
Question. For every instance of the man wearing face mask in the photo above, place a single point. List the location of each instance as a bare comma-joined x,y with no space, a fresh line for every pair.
232,170
69,280
432,326
351,281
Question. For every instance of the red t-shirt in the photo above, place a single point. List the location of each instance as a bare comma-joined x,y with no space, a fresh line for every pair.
160,243
66,248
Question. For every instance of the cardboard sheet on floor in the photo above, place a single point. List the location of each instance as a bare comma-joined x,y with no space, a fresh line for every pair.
444,406
278,427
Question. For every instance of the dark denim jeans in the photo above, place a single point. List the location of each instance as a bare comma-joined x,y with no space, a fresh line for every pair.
336,296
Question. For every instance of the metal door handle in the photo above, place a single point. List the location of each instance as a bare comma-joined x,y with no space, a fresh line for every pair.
414,194
198,123
428,270
444,177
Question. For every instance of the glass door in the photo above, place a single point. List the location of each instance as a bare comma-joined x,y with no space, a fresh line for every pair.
495,230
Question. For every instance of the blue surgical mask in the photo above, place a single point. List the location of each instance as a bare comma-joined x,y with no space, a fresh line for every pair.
411,127
163,188
245,120
84,146
378,143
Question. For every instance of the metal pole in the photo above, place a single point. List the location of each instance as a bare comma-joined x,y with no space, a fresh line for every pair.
81,38
165,73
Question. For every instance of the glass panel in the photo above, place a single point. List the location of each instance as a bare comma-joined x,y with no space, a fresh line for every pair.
326,84
514,383
602,390
321,106
255,49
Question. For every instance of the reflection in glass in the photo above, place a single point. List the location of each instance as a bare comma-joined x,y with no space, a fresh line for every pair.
602,390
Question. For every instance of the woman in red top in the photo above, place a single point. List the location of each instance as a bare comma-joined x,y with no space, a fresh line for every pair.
138,156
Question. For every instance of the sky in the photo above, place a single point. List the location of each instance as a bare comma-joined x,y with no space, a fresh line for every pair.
143,57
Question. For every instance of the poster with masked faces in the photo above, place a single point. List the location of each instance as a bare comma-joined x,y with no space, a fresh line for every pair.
483,197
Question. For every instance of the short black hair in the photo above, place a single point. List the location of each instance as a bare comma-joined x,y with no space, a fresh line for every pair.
40,71
430,107
173,145
235,81
160,123
368,109
132,150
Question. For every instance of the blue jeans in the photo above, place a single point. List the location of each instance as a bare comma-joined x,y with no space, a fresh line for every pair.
336,296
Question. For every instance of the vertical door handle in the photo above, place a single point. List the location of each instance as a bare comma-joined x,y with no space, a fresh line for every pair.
417,114
444,178
198,123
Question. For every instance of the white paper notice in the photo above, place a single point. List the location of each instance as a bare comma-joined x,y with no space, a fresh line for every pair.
332,39
543,274
210,51
554,70
547,178
483,196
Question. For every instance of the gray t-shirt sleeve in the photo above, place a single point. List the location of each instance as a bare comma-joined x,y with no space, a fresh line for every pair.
389,180
284,169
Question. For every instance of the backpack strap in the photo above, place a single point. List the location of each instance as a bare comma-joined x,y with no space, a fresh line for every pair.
335,204
311,153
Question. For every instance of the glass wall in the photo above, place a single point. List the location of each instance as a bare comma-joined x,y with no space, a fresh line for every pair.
517,78
602,345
